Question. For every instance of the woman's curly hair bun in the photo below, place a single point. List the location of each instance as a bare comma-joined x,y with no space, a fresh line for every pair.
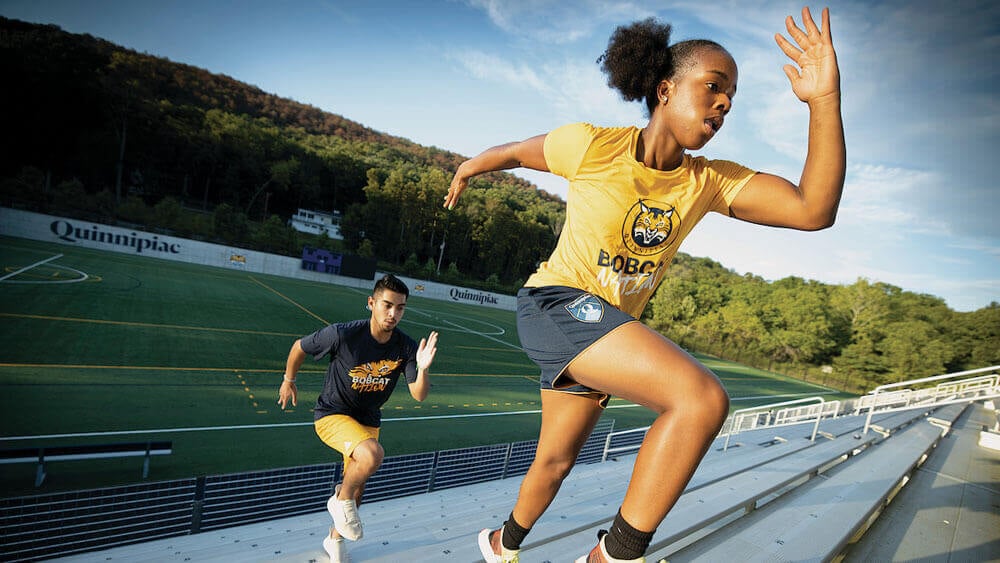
637,58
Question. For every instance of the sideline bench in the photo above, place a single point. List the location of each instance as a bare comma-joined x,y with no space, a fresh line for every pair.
43,454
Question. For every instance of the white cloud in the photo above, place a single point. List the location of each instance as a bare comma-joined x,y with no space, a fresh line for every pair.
556,21
992,250
491,67
576,91
583,94
879,195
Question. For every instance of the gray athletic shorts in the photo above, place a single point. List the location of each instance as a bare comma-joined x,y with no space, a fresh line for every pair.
556,323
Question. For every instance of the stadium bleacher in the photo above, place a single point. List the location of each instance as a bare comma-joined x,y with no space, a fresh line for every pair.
774,495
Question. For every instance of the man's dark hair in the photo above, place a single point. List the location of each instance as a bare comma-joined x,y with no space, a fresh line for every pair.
392,283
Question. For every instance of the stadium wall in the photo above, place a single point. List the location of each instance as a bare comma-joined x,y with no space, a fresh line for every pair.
86,234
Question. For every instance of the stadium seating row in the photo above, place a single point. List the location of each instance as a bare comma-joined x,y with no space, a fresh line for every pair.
768,481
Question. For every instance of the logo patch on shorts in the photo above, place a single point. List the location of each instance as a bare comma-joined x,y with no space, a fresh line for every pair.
586,309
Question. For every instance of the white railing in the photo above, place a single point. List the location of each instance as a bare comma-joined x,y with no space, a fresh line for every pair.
829,409
884,398
889,396
975,384
633,444
740,415
743,419
901,397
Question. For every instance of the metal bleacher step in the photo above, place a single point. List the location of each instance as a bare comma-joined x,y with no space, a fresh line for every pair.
590,498
949,509
738,491
591,495
815,521
442,525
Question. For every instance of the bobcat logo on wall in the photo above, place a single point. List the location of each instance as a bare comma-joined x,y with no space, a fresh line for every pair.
649,227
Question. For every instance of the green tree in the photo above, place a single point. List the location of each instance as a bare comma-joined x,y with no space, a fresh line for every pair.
230,224
69,195
918,339
134,210
281,175
275,236
412,265
867,308
861,362
451,274
802,328
167,213
366,249
742,330
978,334
429,270
913,349
27,188
673,308
104,205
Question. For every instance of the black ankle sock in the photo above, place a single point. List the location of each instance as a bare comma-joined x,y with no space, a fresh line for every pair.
513,533
624,541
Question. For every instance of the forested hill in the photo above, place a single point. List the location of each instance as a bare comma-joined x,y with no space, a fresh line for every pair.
113,130
94,68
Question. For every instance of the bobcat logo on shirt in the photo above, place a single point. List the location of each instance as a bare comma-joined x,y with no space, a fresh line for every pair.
649,227
372,377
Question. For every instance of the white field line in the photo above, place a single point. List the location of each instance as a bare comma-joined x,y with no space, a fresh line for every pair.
35,265
248,426
484,335
291,424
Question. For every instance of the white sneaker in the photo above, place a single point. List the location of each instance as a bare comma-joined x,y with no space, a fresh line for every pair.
600,554
345,516
489,555
336,549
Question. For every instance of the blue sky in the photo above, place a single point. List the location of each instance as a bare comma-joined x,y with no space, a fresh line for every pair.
920,103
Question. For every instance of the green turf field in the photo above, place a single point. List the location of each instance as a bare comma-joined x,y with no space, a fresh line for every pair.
104,347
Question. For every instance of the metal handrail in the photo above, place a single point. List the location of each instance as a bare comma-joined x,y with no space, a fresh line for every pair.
607,442
819,415
791,416
992,380
881,388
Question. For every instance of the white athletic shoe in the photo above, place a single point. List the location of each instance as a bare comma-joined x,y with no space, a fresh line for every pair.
486,548
600,554
345,516
336,549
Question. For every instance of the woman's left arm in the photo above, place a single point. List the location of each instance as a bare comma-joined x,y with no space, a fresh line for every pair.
812,205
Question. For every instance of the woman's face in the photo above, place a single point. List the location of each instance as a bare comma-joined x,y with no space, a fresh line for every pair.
699,96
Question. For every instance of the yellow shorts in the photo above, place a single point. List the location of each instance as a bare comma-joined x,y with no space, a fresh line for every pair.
343,433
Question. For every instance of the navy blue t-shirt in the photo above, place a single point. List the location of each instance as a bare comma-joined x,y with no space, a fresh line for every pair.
362,372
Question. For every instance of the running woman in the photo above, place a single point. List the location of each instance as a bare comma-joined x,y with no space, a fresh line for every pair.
634,195
367,357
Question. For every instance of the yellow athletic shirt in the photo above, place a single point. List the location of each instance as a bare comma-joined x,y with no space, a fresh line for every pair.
624,221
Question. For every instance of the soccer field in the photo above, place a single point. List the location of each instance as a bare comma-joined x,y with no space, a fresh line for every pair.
104,347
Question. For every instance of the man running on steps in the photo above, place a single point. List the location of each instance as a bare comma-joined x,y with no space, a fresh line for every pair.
367,356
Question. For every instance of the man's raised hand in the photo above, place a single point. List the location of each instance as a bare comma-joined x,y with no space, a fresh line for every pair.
426,351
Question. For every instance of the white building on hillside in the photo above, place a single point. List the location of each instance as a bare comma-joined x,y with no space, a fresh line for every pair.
317,222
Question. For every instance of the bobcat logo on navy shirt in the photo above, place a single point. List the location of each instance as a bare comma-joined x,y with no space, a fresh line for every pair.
372,377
